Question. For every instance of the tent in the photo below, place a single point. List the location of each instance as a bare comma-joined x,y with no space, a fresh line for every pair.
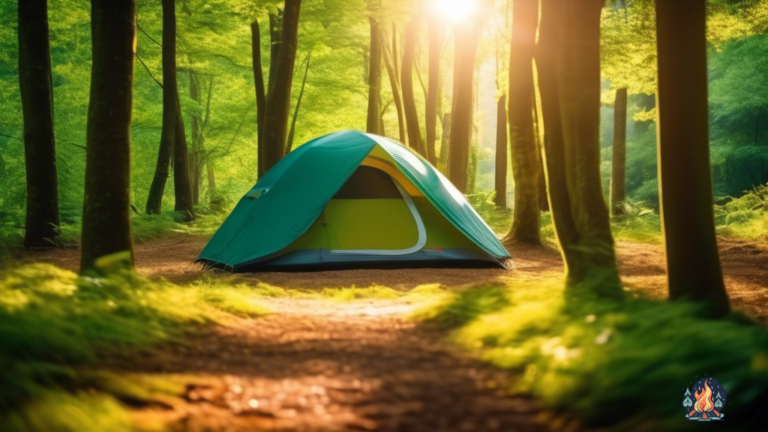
352,199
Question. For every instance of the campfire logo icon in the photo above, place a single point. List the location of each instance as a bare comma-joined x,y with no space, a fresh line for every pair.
707,401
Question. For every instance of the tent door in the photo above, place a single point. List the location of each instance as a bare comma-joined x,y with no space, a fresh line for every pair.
422,239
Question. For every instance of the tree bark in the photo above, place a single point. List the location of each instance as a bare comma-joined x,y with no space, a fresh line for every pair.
409,101
501,152
181,179
461,112
298,105
275,38
619,162
394,82
525,163
279,97
442,161
430,118
568,64
685,178
261,96
42,212
106,208
168,133
374,80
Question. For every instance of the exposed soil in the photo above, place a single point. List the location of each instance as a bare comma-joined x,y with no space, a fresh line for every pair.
361,365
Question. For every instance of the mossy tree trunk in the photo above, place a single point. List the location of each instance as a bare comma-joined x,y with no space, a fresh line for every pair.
501,152
261,95
685,178
374,80
279,92
568,64
525,162
409,101
168,133
42,216
619,160
106,208
181,179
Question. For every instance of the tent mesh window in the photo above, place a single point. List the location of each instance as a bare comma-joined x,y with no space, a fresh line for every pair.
367,183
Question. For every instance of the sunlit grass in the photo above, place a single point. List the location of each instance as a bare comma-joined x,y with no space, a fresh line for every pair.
607,362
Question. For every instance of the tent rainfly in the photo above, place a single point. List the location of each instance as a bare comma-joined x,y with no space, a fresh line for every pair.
352,199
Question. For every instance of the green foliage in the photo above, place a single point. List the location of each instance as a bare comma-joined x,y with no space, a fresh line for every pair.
745,217
54,323
608,362
499,219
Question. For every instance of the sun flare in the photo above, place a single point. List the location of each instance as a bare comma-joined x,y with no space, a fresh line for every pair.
456,10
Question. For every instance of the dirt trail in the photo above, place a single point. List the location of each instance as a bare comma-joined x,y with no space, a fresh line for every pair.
361,365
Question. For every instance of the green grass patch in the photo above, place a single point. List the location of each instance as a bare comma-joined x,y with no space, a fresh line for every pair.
54,325
610,363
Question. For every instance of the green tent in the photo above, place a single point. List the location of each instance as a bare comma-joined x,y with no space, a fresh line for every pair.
352,199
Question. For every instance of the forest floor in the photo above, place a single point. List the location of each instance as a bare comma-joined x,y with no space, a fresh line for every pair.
316,364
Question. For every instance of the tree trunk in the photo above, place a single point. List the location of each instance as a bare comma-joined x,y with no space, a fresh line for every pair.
537,128
168,133
374,80
685,178
433,91
106,208
42,218
279,97
501,152
211,180
298,105
394,82
409,100
275,38
461,112
195,155
442,161
261,97
181,179
525,163
618,165
568,62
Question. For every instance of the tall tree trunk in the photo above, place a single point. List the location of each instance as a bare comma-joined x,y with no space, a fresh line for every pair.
618,165
525,162
409,101
685,178
275,38
261,96
195,155
106,208
279,97
394,82
374,80
181,179
42,218
538,129
168,133
442,161
567,62
433,91
211,180
461,112
501,152
298,105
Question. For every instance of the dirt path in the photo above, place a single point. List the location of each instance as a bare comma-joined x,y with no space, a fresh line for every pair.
361,365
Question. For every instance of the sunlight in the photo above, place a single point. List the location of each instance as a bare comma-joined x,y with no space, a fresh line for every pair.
455,10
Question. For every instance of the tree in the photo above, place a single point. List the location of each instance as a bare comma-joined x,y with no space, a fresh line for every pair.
466,35
685,178
501,152
279,93
390,62
181,179
170,116
433,92
261,96
525,162
42,217
374,80
409,102
106,208
298,105
619,162
568,65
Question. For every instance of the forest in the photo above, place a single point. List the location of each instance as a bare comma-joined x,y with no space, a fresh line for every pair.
394,215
